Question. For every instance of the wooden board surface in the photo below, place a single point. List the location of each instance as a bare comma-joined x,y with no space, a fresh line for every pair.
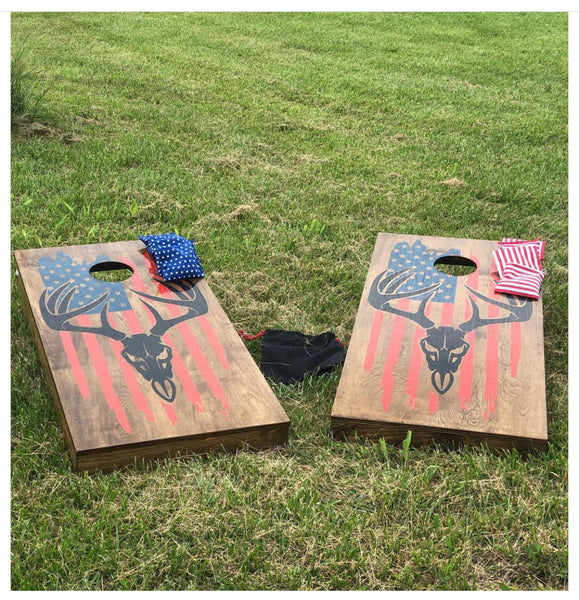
454,362
140,369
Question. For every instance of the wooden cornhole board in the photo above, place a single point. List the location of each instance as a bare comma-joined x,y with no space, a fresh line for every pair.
437,361
139,369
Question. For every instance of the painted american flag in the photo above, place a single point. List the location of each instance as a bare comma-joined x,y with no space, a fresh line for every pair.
106,353
419,256
62,269
422,260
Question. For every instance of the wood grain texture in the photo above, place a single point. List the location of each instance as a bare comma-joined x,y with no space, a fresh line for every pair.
161,379
496,393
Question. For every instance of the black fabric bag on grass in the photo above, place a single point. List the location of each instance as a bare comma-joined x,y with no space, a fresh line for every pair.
287,356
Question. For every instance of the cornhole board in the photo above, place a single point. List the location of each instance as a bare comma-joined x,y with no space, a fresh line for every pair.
441,355
141,369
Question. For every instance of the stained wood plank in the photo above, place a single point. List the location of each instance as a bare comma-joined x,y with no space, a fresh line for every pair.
437,362
139,369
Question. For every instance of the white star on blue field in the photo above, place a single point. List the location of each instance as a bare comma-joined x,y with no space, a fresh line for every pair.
58,271
419,256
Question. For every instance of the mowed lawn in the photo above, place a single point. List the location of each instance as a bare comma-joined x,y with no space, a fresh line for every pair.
283,144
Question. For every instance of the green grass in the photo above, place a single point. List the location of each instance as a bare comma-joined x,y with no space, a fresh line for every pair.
282,144
26,92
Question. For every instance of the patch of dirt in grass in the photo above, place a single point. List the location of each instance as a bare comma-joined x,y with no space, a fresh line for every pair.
335,186
245,209
25,131
239,211
241,163
453,182
22,131
87,121
234,161
71,139
155,199
229,163
310,158
307,126
260,284
399,137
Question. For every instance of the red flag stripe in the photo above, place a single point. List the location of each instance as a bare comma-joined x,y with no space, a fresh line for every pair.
132,322
130,376
170,412
413,378
215,387
212,382
466,369
492,355
392,356
201,320
213,340
135,327
373,340
103,373
149,263
77,370
447,314
433,403
183,375
178,365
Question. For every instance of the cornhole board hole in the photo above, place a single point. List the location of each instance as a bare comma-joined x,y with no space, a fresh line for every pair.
139,368
442,355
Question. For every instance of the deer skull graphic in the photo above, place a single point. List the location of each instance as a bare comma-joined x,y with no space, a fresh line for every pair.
144,351
443,347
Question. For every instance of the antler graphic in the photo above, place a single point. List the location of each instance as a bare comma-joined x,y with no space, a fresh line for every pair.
144,351
54,309
190,298
384,290
520,311
443,347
